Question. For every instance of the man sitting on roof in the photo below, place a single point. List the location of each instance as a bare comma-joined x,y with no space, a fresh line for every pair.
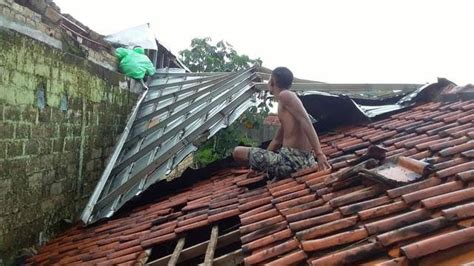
296,138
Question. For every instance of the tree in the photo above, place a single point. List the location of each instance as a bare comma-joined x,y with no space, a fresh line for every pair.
222,57
205,57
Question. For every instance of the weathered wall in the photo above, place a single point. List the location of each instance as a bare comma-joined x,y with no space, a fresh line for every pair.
50,159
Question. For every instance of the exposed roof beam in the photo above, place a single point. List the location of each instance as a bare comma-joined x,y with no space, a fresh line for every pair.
211,248
177,251
199,249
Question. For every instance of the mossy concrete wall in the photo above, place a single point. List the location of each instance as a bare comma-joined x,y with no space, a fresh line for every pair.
51,158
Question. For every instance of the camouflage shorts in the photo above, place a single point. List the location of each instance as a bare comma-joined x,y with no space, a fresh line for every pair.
281,164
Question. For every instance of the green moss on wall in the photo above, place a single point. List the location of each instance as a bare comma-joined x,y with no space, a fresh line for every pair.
43,149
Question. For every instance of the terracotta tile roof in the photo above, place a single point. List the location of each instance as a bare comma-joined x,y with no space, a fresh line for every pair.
311,217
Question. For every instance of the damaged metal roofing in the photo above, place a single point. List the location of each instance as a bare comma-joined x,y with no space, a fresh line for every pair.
332,111
178,111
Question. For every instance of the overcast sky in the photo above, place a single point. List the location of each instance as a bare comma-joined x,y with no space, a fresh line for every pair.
368,41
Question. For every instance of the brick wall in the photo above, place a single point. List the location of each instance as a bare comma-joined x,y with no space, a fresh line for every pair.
43,20
51,158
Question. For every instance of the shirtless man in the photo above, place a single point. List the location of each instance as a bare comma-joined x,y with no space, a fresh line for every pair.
296,138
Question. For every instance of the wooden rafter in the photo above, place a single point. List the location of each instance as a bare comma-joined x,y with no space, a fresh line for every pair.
212,246
199,249
177,251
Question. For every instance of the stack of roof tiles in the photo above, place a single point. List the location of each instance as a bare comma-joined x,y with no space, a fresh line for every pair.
306,218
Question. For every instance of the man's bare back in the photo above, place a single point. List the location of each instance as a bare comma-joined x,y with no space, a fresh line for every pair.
293,133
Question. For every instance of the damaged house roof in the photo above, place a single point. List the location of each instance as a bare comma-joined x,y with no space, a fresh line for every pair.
178,112
340,216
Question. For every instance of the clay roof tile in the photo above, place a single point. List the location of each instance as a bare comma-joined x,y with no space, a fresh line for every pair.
438,243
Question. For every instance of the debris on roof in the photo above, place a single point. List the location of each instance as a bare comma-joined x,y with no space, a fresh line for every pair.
400,170
333,111
178,111
310,218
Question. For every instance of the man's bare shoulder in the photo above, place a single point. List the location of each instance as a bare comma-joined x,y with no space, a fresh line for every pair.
287,96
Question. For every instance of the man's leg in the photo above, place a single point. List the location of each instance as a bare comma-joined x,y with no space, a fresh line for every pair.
241,154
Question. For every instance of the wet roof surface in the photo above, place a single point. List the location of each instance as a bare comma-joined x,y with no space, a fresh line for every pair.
310,218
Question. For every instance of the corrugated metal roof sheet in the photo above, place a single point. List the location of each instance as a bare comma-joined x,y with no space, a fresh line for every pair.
178,110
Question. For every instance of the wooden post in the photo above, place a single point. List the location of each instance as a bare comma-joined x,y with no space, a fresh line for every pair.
208,259
177,251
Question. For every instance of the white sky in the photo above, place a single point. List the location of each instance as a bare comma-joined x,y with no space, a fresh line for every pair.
368,41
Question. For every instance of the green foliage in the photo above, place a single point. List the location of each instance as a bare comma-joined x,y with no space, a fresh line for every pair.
254,116
205,57
221,145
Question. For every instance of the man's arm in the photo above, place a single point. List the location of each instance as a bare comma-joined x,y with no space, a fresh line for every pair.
291,102
277,140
